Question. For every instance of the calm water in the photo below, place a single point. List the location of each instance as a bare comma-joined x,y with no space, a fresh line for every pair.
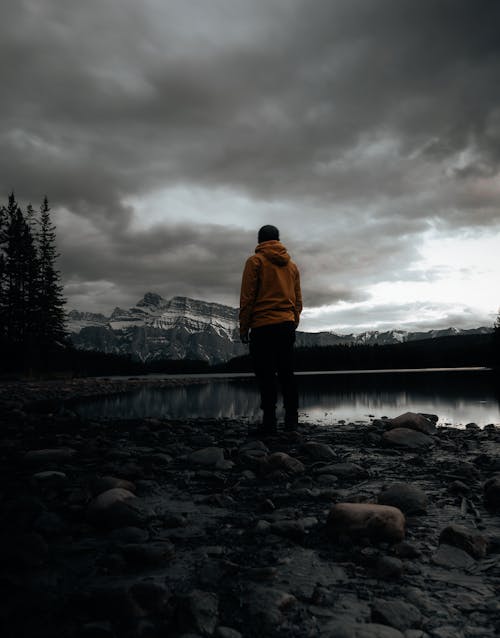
457,398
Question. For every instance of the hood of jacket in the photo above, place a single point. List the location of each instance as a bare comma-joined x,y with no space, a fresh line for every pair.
274,251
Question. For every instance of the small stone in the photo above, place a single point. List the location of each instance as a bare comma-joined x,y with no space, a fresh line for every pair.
388,568
472,426
470,540
118,508
198,611
104,483
151,596
396,613
49,478
366,520
319,451
293,530
344,470
227,632
347,629
410,499
209,456
281,462
452,557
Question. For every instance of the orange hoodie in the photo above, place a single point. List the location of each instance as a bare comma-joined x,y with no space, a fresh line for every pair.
270,288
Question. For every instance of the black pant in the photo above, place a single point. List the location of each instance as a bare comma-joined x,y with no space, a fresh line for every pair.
271,348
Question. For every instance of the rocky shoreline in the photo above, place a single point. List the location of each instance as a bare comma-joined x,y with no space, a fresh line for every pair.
149,528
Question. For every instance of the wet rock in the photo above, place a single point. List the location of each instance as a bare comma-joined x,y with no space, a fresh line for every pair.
396,613
151,596
104,483
344,470
470,540
53,455
281,462
265,606
209,456
51,479
388,568
410,499
452,557
294,530
413,421
198,611
492,493
118,508
407,438
366,520
227,632
319,451
472,426
347,629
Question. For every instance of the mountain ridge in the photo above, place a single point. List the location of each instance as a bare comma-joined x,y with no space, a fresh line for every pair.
185,328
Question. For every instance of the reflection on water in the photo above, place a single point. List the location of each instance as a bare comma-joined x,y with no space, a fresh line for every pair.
457,398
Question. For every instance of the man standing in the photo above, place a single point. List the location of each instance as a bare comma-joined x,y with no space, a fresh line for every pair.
270,307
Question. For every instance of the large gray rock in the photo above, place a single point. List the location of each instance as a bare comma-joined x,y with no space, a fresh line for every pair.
470,540
407,438
413,421
366,520
410,499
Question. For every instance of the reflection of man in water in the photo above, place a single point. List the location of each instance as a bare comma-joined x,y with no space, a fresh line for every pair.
270,307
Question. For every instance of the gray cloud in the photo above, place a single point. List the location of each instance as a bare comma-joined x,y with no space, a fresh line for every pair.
369,122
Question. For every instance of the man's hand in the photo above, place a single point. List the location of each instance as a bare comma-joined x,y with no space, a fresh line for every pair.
245,337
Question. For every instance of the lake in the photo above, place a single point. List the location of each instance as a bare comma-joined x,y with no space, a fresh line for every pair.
457,397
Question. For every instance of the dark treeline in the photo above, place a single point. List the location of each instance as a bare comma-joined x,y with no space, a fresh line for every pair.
32,318
443,352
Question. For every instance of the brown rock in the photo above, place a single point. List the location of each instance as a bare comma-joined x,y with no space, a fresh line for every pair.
413,421
407,438
470,540
366,520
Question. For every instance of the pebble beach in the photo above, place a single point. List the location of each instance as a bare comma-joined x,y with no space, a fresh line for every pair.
148,527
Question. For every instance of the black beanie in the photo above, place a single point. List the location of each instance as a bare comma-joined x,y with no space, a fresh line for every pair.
268,233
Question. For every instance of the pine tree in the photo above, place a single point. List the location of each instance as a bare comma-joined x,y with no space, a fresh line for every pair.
496,343
51,315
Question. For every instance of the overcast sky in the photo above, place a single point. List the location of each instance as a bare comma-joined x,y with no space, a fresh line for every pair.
166,132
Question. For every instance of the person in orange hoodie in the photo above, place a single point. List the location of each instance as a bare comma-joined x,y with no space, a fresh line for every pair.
270,307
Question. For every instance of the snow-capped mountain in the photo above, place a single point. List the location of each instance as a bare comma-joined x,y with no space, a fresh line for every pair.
183,328
156,328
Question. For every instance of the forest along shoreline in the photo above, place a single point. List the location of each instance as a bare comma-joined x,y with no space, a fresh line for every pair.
153,527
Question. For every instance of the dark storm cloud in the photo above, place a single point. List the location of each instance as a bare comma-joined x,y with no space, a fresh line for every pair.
383,115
